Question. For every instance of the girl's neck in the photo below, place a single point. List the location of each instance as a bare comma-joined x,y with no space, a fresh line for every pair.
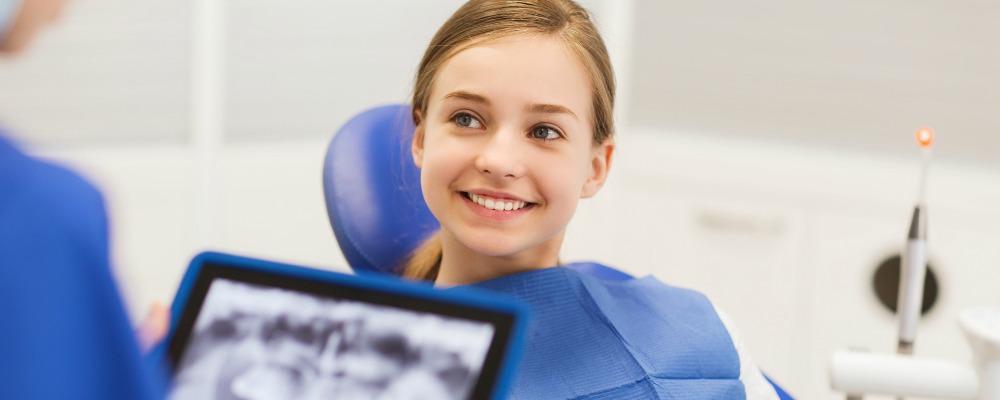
462,266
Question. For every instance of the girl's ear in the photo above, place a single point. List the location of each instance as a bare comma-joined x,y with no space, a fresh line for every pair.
600,165
417,144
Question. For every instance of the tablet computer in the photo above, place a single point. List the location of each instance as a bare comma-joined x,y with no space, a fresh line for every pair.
246,328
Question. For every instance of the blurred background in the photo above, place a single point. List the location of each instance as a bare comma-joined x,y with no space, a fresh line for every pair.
765,154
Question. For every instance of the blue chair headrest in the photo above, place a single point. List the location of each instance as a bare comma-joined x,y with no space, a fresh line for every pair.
372,190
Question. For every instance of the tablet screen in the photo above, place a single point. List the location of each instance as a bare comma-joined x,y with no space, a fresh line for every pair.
252,334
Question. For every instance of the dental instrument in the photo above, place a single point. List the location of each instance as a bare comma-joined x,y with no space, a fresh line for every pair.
914,259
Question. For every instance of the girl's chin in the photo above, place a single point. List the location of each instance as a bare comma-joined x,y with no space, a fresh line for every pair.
493,250
491,246
522,252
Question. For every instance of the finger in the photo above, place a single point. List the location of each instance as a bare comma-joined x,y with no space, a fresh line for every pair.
154,327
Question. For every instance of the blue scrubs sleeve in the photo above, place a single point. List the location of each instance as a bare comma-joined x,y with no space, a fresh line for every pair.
64,332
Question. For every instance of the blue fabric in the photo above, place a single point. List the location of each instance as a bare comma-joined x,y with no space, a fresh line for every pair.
634,339
64,332
600,271
782,394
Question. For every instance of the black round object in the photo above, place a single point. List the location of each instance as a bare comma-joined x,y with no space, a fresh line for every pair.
886,285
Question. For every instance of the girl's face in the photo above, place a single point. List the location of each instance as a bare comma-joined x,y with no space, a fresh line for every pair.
506,150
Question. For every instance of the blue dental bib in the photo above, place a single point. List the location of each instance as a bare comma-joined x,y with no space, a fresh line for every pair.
634,339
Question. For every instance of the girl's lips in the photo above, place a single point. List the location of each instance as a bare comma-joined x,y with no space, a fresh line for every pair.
496,195
496,203
500,208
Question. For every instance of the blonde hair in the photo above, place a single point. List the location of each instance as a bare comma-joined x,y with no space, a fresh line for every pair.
479,21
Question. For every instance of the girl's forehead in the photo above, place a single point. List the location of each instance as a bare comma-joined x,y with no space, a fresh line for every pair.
540,52
537,67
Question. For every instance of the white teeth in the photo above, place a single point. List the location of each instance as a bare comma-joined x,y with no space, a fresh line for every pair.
498,205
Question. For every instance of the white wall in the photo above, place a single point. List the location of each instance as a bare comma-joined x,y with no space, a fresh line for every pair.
205,123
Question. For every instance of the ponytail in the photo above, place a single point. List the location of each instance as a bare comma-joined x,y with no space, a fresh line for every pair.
425,262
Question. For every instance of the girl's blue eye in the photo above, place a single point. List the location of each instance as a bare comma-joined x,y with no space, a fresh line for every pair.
545,133
466,121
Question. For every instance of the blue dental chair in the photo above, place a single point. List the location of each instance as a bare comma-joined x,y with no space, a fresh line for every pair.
369,163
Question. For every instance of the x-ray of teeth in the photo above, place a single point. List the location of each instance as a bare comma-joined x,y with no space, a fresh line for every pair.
253,343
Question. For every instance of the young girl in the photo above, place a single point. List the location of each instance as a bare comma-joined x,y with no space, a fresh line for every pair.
513,107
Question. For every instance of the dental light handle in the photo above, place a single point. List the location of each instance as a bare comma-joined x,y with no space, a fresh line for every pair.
911,282
861,373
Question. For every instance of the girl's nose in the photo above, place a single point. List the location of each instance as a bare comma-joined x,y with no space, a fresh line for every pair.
501,156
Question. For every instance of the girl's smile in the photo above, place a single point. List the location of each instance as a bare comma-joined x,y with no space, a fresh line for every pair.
496,206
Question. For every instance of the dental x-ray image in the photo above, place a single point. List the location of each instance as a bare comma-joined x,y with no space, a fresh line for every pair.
252,343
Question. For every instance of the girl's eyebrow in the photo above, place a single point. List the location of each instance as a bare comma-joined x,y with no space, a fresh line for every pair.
550,109
463,95
531,108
